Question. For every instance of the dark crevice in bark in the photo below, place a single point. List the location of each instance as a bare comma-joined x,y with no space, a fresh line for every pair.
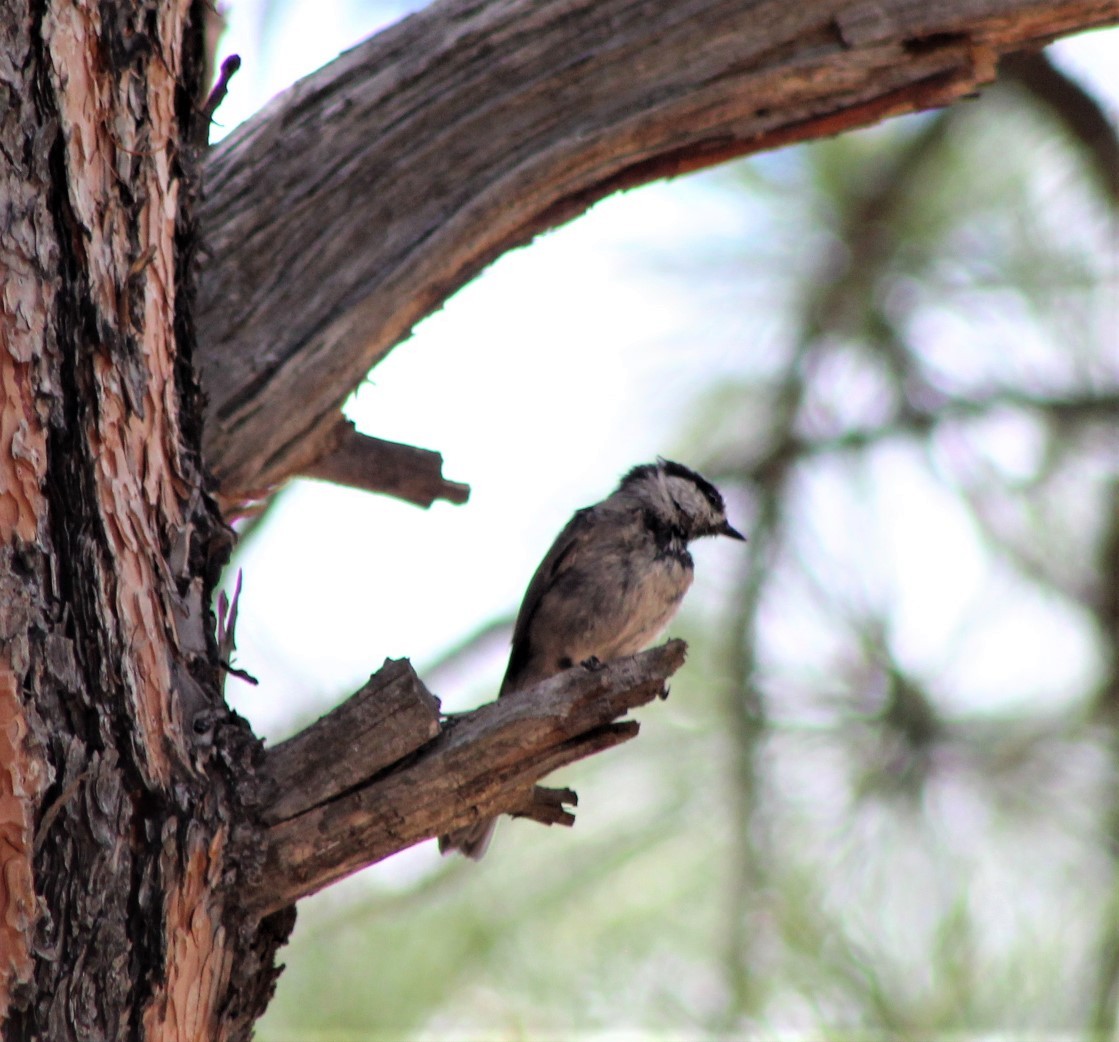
188,251
69,486
95,736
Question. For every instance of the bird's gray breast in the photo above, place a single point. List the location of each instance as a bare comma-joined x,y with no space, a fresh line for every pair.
606,590
653,588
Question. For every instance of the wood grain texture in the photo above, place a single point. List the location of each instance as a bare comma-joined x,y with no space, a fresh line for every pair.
390,717
354,204
481,764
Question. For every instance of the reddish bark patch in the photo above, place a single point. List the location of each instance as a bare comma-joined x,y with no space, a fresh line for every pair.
23,777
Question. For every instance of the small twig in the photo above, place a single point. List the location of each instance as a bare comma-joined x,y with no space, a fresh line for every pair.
227,618
227,625
217,95
240,674
549,806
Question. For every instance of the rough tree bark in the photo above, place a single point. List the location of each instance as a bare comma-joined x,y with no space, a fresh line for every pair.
124,776
149,851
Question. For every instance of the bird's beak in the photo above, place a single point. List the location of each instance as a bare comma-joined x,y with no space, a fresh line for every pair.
725,529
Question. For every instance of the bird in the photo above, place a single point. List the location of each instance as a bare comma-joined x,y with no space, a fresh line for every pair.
612,581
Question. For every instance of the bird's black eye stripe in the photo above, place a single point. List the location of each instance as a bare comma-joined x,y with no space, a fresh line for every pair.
710,492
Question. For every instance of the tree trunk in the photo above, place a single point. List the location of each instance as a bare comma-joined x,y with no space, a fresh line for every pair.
149,851
123,772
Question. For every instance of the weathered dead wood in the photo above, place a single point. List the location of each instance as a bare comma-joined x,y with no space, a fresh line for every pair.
482,763
548,806
357,202
390,717
375,465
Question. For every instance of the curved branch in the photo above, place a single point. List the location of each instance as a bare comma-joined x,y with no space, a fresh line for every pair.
356,203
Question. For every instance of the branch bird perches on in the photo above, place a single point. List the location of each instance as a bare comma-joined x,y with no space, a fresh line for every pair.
385,770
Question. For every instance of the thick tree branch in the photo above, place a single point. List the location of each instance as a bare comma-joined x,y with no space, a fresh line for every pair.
390,717
357,202
352,810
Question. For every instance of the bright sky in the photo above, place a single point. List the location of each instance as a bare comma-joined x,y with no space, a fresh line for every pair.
554,372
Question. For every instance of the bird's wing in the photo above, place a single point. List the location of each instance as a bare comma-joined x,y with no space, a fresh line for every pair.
557,560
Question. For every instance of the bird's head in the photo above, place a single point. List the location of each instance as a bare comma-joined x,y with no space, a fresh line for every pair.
679,499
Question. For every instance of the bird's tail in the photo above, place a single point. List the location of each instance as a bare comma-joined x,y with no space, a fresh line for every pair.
471,840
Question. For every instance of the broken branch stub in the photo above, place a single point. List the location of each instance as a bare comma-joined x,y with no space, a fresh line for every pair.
390,717
376,465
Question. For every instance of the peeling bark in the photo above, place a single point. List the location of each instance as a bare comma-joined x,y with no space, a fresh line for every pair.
23,778
199,958
28,249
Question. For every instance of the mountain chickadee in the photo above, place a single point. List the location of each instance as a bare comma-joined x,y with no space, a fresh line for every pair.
609,585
